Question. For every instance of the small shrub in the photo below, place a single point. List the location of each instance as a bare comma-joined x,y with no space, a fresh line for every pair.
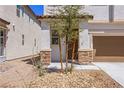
69,69
39,65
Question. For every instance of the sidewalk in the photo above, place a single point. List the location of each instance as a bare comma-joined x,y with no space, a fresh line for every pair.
76,66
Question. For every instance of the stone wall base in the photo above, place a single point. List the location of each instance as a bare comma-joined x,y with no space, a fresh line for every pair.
85,56
45,56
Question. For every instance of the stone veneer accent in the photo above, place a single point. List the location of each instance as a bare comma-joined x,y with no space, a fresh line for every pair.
46,56
85,56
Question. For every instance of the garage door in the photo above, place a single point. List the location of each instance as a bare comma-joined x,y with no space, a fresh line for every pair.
109,45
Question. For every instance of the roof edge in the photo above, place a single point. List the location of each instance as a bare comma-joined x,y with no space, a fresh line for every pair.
30,10
4,21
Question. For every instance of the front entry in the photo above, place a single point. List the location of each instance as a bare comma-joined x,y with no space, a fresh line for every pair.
55,54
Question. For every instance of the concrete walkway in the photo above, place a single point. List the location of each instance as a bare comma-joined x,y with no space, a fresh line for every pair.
76,66
115,70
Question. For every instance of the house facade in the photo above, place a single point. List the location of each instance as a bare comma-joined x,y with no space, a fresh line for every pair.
102,36
21,34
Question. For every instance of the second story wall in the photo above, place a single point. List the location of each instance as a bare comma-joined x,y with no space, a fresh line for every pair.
104,13
107,13
119,12
99,12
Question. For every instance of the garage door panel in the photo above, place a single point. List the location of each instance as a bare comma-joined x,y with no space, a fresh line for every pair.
109,45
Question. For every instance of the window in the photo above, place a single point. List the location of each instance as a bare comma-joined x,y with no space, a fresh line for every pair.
35,42
1,37
55,39
2,41
29,18
1,34
22,12
22,39
18,10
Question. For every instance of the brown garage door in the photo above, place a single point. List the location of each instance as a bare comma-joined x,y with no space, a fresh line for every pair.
109,45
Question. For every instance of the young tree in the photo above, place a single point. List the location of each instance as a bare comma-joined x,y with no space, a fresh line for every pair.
69,17
57,26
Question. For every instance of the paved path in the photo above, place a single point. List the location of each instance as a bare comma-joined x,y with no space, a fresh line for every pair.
76,66
115,70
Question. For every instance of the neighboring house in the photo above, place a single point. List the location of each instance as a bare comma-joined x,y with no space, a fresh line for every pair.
21,34
104,34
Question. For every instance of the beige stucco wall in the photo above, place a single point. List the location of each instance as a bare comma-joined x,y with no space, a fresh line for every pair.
31,30
119,13
99,12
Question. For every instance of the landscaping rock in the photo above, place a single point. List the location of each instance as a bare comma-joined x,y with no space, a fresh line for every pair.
78,79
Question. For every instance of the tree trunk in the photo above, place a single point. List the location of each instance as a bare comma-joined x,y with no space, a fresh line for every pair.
60,50
73,53
66,54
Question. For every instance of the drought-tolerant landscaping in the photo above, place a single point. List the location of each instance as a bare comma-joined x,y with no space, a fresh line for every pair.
23,74
78,79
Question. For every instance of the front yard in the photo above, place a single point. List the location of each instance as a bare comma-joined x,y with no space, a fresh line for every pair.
23,74
78,79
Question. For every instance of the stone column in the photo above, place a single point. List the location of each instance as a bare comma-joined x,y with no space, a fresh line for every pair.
85,51
85,56
45,52
46,56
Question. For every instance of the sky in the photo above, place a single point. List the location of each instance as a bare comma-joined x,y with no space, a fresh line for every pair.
37,9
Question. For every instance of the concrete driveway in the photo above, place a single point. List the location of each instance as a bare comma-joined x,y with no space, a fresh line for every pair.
115,70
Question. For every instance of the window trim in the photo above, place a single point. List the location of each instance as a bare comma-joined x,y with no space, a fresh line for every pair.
23,42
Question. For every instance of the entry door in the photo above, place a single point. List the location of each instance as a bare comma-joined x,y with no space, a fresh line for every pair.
55,49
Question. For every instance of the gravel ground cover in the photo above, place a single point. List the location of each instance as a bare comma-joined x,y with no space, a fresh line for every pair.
23,74
78,79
